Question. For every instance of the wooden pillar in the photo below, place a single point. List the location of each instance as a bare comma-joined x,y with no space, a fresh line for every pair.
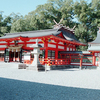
46,49
9,56
72,47
14,56
18,57
93,59
81,59
56,51
69,59
8,43
69,47
25,44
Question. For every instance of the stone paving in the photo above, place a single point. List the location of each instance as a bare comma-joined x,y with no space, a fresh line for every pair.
67,84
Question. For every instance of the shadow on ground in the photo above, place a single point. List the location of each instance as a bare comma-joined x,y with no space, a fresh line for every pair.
23,90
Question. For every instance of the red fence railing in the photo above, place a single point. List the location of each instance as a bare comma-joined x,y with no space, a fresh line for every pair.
73,60
49,61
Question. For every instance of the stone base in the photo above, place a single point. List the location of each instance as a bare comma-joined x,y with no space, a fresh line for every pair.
83,67
32,68
22,66
38,68
47,67
57,67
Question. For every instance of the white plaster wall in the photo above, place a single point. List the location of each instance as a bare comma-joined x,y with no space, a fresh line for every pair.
60,47
50,45
67,49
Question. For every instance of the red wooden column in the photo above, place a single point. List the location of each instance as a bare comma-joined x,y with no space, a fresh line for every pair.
45,41
25,44
56,51
46,48
8,43
93,59
81,59
72,47
69,47
69,61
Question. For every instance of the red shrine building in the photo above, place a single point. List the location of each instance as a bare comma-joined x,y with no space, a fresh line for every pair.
94,48
16,47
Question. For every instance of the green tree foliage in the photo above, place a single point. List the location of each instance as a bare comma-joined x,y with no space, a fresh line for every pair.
55,9
95,5
18,23
43,16
88,17
5,24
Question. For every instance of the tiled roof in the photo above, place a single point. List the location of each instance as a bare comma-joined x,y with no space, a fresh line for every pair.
68,35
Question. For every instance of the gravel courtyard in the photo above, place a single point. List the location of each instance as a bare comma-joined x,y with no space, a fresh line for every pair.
67,84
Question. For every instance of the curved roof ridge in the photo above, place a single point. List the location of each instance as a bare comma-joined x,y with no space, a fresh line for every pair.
34,31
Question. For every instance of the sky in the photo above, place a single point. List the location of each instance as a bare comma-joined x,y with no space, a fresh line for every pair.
20,6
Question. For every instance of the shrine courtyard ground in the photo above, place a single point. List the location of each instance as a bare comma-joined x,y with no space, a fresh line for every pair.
67,84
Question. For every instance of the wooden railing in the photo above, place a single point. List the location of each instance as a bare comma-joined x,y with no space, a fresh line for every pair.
49,61
71,61
85,61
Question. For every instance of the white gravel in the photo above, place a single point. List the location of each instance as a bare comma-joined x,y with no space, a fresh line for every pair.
67,84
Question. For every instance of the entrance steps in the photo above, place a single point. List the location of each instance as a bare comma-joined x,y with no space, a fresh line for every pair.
55,67
35,68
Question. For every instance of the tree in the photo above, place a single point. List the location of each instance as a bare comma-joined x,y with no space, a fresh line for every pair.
5,24
18,26
95,5
18,23
43,16
88,15
84,13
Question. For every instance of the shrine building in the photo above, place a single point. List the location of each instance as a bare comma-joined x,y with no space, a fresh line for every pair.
94,48
16,47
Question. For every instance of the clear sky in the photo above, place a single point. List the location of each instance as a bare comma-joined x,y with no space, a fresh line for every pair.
20,6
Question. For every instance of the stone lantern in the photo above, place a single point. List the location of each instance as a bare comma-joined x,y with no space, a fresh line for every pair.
36,63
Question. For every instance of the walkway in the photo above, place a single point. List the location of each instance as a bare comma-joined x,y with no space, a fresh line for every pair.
68,84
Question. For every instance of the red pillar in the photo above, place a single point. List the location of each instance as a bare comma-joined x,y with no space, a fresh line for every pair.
81,59
25,44
72,47
8,43
69,59
56,51
93,59
69,47
46,50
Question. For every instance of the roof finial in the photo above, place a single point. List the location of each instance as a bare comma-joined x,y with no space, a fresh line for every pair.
74,27
58,25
